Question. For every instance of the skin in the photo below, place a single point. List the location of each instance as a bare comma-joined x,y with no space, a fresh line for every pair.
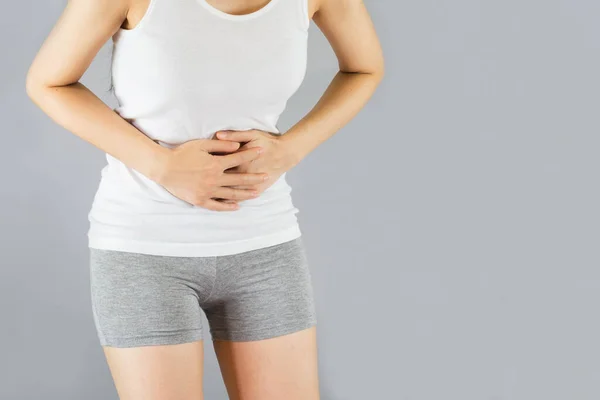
213,173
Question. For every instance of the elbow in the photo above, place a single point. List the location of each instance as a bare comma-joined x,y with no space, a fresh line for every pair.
38,86
376,74
379,73
35,84
32,85
375,71
379,70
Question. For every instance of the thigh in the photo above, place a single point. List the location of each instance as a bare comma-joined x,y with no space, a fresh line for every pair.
149,322
261,294
283,367
263,322
157,372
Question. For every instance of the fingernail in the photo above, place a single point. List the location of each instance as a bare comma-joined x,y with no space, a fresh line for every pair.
224,134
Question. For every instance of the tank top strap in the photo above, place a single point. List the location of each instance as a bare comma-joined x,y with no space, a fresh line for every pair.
299,10
304,16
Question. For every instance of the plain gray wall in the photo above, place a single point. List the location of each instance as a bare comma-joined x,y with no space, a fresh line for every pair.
453,226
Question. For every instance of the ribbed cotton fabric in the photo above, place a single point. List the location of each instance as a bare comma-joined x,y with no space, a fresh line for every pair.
185,71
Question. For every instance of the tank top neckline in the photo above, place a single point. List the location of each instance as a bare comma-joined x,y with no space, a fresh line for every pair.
237,17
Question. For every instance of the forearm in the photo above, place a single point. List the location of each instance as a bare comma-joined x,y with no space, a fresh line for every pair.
345,96
80,111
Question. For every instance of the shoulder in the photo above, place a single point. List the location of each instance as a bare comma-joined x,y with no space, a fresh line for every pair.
103,7
106,4
331,5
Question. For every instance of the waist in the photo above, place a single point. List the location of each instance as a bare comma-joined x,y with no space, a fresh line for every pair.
125,197
127,187
132,213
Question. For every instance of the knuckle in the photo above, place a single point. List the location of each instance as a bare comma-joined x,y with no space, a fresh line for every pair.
214,166
199,199
210,205
210,180
222,206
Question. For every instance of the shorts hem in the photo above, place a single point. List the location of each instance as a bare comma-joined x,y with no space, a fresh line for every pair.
151,340
263,333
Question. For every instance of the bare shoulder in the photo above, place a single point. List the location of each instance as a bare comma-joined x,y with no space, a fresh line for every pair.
316,5
349,29
110,6
80,32
105,12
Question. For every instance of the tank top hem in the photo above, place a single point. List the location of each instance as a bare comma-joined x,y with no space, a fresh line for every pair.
193,249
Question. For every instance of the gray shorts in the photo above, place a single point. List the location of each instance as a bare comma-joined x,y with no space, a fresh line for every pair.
142,299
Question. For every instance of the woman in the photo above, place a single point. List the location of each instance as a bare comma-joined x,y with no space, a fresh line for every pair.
193,213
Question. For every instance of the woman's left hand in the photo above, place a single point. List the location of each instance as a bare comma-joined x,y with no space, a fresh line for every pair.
277,157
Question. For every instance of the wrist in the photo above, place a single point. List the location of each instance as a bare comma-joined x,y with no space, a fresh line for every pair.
158,161
295,149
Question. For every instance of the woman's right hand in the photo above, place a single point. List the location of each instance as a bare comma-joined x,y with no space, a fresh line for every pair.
191,172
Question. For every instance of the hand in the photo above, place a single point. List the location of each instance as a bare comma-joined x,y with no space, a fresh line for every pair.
278,156
191,173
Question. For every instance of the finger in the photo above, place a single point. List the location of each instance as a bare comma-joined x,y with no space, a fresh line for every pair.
244,187
232,179
227,201
240,157
235,169
216,205
234,194
238,136
226,146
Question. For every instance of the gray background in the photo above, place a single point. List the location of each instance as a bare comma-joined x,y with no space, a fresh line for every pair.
453,226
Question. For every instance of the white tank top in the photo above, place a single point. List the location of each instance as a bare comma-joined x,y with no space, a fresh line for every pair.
185,71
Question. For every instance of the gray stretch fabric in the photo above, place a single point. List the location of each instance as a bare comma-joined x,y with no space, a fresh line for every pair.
143,299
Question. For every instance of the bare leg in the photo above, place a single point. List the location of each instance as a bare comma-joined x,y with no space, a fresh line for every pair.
172,372
283,367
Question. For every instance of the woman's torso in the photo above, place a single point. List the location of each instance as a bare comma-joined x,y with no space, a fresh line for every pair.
184,72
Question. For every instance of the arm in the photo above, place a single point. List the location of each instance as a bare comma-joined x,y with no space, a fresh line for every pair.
348,28
188,171
53,83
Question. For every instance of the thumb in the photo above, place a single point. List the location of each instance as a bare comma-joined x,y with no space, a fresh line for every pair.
221,146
